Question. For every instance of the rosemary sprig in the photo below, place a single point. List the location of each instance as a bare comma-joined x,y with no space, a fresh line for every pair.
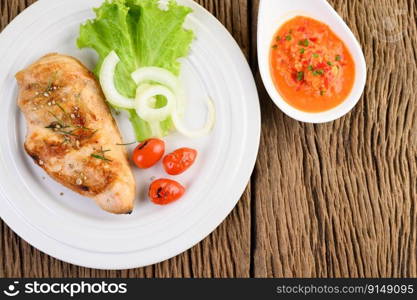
93,133
66,122
58,119
61,108
56,125
101,155
83,128
66,132
51,81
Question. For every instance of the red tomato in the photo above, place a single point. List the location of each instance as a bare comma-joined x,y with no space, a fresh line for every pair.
148,153
179,161
165,191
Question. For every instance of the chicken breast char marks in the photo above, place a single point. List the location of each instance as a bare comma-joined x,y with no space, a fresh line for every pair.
72,134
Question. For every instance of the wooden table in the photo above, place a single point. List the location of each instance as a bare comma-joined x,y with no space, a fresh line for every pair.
333,200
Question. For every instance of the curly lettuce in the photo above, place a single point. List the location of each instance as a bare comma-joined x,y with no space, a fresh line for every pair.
142,34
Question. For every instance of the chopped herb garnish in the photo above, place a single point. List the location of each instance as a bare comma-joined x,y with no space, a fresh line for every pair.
338,58
278,38
288,38
315,55
302,50
300,76
310,68
322,93
318,72
330,63
304,43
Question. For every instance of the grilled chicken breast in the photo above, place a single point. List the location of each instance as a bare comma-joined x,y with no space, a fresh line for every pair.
72,134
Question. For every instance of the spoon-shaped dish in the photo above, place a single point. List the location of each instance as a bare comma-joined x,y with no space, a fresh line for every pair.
272,15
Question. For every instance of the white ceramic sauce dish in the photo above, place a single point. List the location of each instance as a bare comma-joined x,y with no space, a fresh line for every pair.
272,15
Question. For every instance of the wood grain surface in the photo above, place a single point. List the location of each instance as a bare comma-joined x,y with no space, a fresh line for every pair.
332,200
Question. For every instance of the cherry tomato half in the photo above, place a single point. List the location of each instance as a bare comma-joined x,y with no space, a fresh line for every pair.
148,153
165,191
179,161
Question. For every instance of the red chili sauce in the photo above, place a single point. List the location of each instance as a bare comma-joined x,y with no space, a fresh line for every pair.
311,66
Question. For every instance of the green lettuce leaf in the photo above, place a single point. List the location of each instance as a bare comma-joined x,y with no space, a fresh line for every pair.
142,34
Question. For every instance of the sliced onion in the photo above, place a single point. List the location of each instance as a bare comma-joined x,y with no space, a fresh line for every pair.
211,119
168,85
165,78
107,83
145,102
159,75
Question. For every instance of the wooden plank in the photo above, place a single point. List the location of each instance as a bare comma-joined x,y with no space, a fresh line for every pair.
339,199
225,253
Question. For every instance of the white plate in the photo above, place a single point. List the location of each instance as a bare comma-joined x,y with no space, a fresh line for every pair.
71,227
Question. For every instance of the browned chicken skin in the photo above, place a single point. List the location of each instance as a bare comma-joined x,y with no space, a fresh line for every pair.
72,134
